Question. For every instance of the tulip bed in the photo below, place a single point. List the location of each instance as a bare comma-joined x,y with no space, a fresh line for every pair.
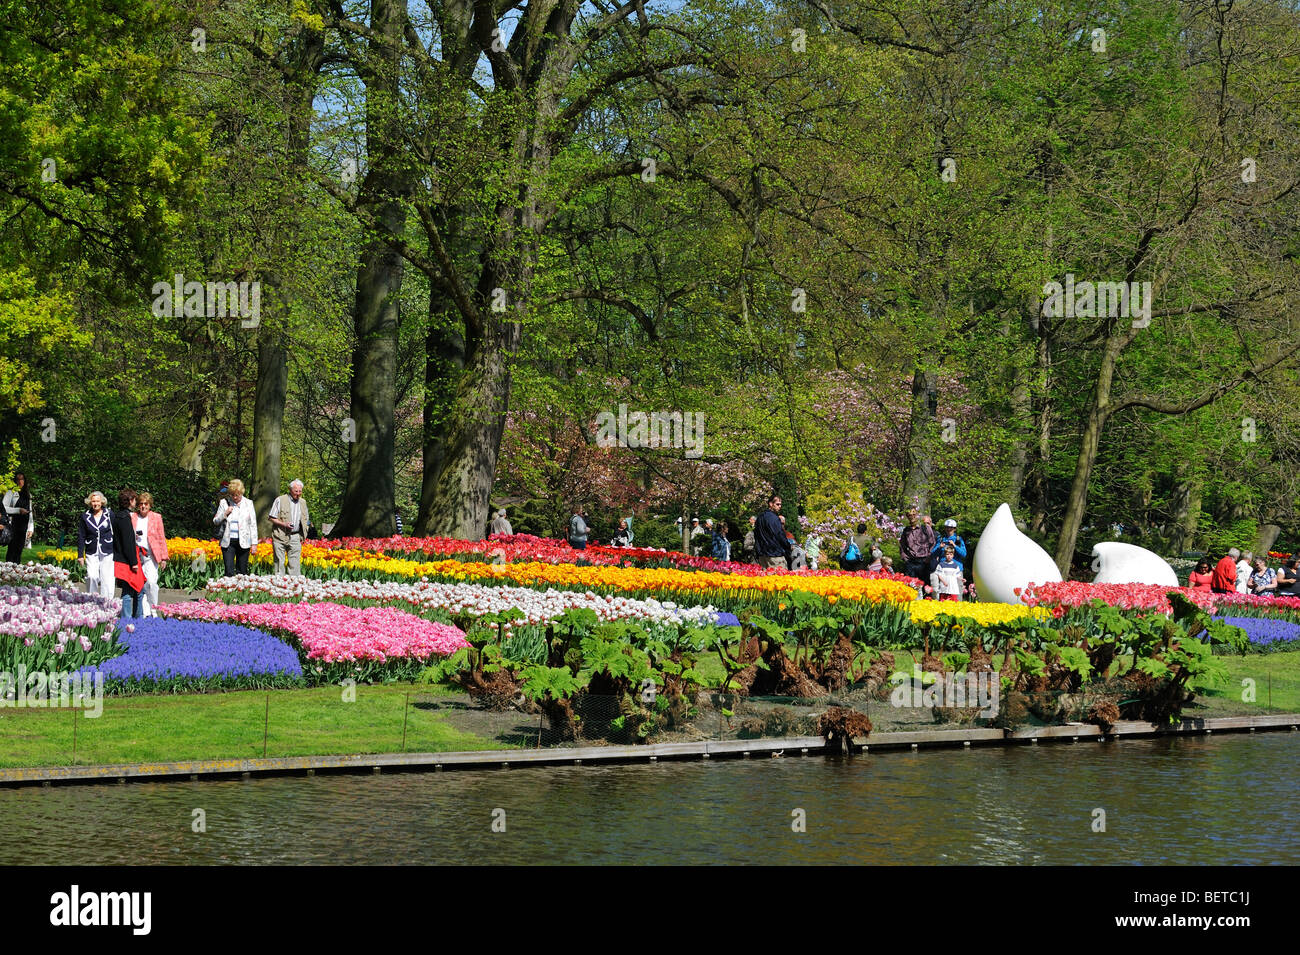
194,561
32,574
46,628
472,600
1148,598
339,642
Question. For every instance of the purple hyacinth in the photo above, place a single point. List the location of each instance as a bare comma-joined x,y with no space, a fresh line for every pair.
167,650
1265,631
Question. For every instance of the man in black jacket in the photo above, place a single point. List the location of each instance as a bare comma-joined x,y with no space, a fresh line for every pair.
771,546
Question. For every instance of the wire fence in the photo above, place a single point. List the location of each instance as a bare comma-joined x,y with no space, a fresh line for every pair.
380,719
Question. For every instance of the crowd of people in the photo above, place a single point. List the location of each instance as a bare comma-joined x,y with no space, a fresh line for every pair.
1244,573
125,547
928,555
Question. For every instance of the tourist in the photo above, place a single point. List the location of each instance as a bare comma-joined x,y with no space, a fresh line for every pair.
887,565
950,536
95,545
288,517
948,580
1245,567
1201,578
18,506
915,543
1288,579
719,544
877,560
1263,582
697,533
223,494
1225,573
851,556
623,536
813,545
798,556
500,525
238,522
397,521
578,530
771,546
151,540
748,544
126,555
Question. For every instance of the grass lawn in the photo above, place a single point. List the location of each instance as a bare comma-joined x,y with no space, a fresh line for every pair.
229,725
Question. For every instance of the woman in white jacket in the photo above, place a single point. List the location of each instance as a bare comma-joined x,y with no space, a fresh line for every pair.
238,522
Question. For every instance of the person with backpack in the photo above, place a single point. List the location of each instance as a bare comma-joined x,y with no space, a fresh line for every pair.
950,536
851,558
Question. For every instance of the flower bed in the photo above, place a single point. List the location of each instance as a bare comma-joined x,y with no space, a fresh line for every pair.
1267,634
174,655
984,614
194,561
716,588
537,606
364,643
32,574
1148,597
1151,598
44,611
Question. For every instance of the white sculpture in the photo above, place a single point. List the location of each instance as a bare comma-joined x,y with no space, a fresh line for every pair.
1117,563
1006,559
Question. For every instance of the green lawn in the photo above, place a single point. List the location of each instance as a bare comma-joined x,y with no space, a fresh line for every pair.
319,722
230,725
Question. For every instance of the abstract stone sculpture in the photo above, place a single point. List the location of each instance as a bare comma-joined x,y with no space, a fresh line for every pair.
1006,559
1117,563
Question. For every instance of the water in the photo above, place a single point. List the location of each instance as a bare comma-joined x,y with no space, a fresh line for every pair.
1220,799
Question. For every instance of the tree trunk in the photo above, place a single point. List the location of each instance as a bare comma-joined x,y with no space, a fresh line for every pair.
368,500
1266,536
1092,428
920,439
1021,415
1187,511
203,415
456,495
268,421
272,353
444,361
1042,396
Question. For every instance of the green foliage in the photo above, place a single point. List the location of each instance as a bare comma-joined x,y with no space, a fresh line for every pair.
549,683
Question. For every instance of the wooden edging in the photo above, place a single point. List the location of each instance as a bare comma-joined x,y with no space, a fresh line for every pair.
704,749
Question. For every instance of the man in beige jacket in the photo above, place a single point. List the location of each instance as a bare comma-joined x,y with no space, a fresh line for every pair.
289,524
